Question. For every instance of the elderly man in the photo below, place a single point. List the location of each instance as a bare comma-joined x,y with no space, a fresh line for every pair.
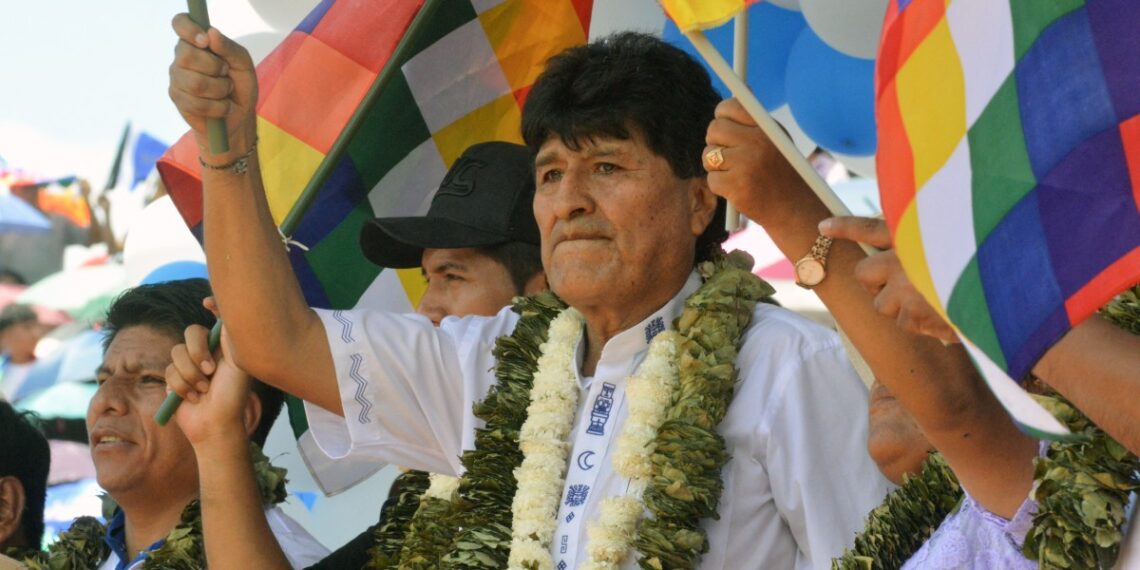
625,412
148,471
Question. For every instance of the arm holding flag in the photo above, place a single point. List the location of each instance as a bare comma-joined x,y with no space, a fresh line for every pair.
937,384
1091,366
277,337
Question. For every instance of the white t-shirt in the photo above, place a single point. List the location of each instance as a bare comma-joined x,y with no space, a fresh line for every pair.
301,548
798,486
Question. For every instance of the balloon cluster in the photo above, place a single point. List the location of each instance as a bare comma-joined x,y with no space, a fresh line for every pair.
811,64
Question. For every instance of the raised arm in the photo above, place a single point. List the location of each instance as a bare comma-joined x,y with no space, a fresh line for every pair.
218,423
277,337
937,384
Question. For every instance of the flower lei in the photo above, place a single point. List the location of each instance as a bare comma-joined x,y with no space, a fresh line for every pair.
683,485
82,545
1081,488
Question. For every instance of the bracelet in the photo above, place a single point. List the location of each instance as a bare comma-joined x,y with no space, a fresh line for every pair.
239,166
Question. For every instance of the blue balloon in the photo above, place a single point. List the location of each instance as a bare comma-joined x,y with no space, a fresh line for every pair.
176,271
771,32
832,96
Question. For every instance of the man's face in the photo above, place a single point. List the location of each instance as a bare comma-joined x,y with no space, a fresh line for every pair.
617,225
463,282
132,453
894,440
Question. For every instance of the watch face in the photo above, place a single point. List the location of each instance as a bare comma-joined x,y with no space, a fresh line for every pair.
809,272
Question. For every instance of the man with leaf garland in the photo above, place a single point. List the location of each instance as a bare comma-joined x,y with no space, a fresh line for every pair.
149,471
727,419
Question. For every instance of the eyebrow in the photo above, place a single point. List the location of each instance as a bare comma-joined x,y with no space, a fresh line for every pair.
146,366
594,151
445,266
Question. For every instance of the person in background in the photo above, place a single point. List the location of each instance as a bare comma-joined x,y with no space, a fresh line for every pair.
20,331
35,255
478,248
25,460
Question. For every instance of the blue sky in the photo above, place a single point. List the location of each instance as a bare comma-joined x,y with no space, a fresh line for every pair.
75,71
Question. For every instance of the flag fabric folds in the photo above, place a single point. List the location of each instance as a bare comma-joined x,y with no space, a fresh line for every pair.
147,151
1009,162
465,81
703,14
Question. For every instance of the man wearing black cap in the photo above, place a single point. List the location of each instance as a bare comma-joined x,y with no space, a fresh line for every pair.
478,243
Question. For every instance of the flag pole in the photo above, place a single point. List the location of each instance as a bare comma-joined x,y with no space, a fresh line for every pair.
402,52
215,128
772,129
740,67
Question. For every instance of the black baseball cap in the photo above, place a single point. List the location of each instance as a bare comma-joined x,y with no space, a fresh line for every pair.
485,200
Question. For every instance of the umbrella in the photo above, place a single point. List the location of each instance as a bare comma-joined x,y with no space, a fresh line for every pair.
17,215
72,289
67,400
75,360
70,461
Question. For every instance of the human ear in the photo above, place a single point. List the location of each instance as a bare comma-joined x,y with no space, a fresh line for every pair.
12,503
252,414
703,205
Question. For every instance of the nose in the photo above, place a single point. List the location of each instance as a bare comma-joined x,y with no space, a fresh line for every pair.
432,304
109,399
571,197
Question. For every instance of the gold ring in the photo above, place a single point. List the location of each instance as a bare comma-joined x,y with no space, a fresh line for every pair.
714,158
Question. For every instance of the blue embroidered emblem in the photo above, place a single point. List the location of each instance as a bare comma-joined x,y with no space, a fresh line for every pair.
576,495
565,547
561,565
570,516
654,328
600,414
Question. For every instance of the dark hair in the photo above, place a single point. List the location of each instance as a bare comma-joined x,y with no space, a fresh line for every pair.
521,260
625,83
12,277
170,307
15,314
24,454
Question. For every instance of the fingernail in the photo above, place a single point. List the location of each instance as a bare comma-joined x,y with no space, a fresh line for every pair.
825,226
201,40
207,367
203,387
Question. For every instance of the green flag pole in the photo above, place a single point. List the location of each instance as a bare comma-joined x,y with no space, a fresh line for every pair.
215,128
402,53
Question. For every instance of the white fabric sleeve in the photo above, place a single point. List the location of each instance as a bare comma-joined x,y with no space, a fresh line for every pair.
823,479
406,386
301,548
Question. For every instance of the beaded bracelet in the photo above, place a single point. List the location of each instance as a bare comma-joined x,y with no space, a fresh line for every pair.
239,166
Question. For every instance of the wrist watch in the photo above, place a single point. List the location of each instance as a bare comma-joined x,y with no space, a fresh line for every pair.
811,269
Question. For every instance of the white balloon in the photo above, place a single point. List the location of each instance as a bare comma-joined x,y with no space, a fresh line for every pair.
862,165
788,4
783,115
850,26
283,15
260,44
158,236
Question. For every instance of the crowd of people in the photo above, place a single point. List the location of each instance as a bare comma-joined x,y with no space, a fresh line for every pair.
589,381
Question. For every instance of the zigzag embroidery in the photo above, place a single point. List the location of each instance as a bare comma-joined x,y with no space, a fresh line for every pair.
361,384
346,326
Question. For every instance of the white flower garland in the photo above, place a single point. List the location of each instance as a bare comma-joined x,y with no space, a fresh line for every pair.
650,393
442,487
544,440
